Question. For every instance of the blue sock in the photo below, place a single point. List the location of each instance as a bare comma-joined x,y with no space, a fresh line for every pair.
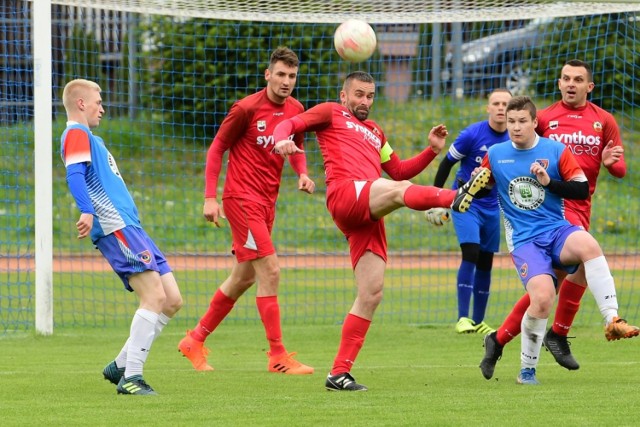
465,287
481,286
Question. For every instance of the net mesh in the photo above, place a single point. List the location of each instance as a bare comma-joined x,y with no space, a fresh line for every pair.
373,11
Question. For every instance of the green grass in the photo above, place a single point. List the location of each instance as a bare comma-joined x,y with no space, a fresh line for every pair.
417,376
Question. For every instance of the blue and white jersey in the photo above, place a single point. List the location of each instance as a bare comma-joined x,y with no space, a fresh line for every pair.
528,208
469,149
114,207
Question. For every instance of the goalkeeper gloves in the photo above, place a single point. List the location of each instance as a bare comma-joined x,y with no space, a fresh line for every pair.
437,216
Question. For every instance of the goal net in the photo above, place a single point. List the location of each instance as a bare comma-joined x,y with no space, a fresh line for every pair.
170,70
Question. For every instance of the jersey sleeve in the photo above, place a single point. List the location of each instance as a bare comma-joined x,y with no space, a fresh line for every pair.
461,146
569,168
76,147
612,133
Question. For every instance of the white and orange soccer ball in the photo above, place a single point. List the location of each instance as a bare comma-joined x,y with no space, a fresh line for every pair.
355,40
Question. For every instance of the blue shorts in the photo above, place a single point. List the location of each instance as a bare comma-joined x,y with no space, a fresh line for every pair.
129,251
480,226
542,255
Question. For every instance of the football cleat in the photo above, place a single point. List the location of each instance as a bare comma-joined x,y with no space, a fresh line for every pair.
343,382
492,353
619,328
112,373
286,364
558,346
135,385
527,376
467,192
195,351
483,328
465,326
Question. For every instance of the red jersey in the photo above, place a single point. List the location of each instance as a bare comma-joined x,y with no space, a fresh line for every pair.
586,131
350,147
253,170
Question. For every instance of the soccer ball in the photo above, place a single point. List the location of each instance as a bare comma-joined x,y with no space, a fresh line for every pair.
354,40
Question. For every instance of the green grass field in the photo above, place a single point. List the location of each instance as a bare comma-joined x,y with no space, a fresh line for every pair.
417,376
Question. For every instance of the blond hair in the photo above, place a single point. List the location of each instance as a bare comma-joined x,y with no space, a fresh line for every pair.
75,89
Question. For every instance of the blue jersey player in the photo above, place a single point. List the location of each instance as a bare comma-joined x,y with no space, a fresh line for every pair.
109,215
533,176
478,232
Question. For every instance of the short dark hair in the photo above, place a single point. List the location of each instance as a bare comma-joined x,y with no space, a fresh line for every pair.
284,54
361,76
583,64
519,103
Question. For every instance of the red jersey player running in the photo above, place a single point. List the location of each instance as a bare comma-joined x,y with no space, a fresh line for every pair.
355,151
250,193
593,136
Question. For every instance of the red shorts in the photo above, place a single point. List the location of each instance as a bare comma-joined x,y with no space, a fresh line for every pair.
251,224
348,204
581,219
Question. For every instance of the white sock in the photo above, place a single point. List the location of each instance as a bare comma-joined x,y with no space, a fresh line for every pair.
121,359
602,287
140,340
163,319
533,330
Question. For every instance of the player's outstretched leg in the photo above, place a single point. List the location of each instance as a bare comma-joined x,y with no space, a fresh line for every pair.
619,328
470,189
492,353
558,346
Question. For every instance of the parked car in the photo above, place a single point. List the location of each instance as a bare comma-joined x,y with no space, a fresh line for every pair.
496,60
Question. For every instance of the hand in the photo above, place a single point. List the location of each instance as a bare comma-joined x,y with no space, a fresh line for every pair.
437,137
541,173
212,211
611,154
286,147
437,216
306,184
84,225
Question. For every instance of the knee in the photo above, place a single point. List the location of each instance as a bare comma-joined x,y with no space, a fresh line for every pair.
172,305
371,298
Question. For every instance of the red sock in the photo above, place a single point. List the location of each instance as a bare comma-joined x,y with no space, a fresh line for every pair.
270,314
568,304
510,328
219,307
354,329
422,197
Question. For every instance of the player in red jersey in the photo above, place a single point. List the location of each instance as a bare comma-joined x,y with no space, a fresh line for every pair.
250,192
593,136
355,151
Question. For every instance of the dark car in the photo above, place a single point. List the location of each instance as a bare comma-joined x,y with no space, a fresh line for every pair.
496,60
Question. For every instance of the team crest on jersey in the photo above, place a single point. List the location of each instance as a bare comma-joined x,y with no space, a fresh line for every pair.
553,124
375,130
524,270
543,162
526,193
144,256
597,126
261,125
